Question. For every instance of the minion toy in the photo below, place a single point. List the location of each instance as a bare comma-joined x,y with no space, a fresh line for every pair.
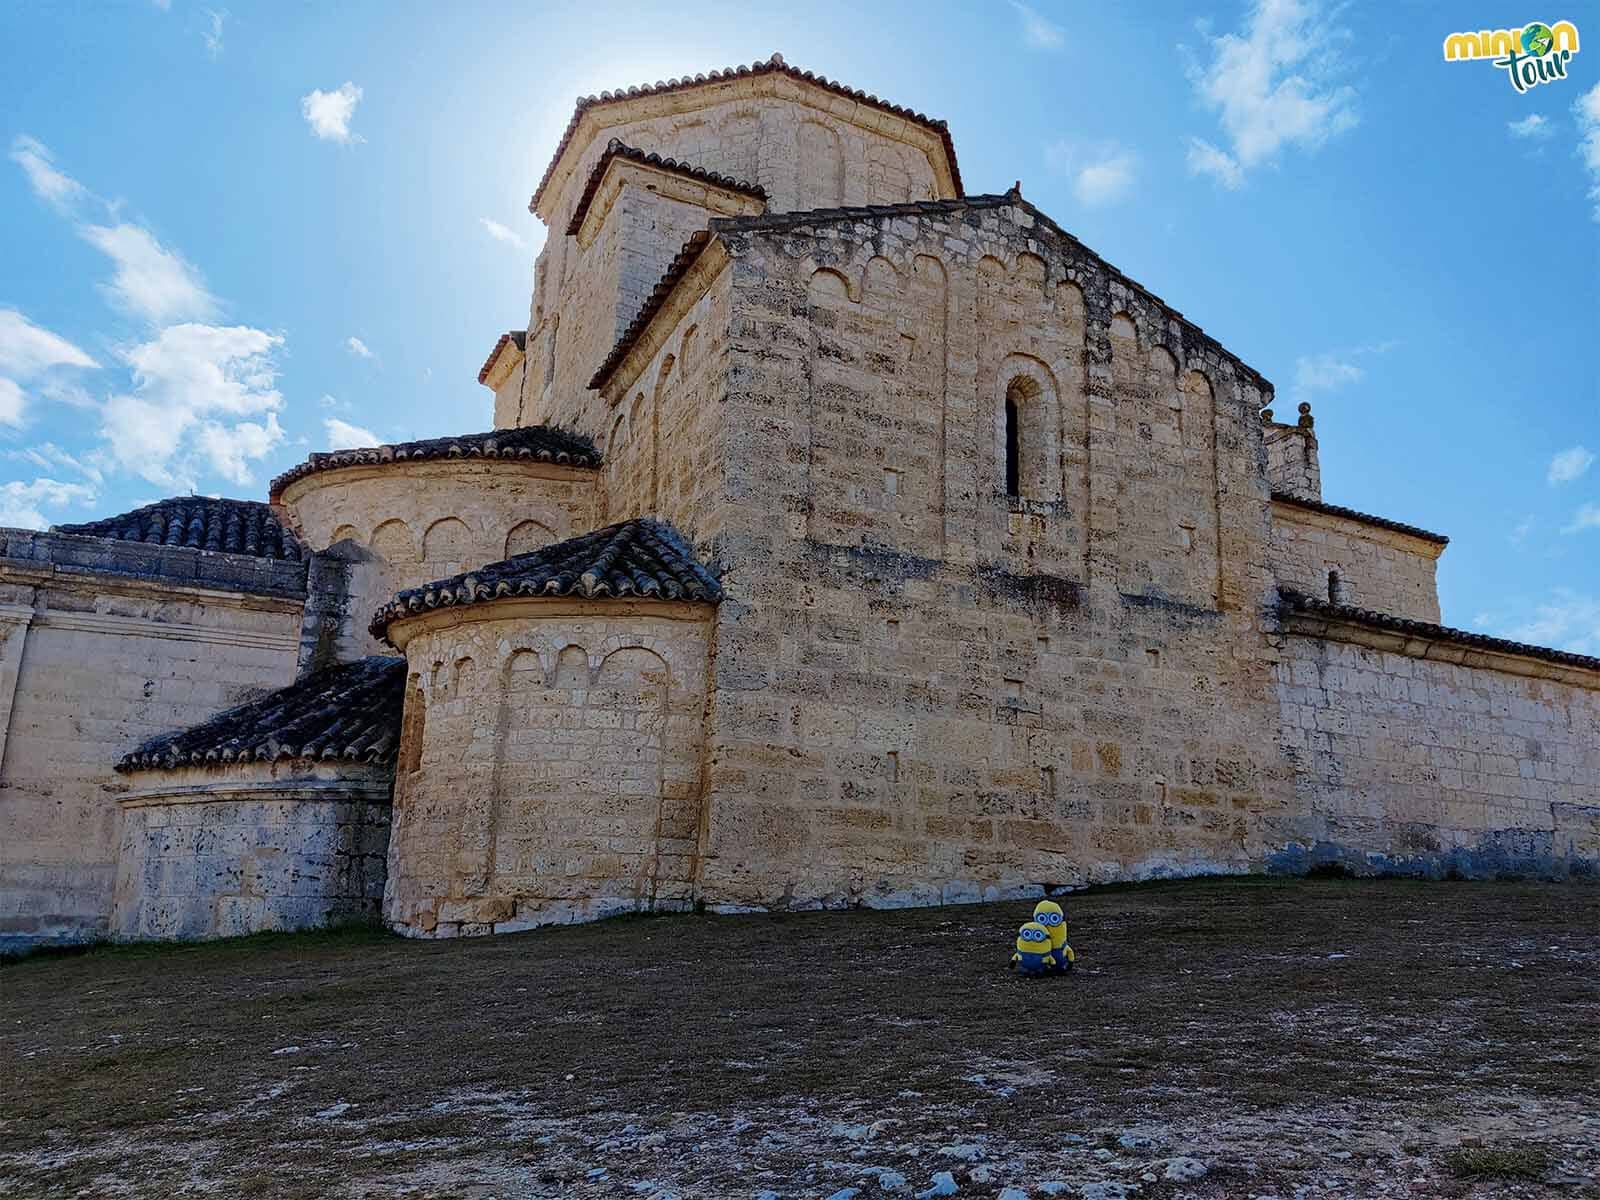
1033,955
1049,914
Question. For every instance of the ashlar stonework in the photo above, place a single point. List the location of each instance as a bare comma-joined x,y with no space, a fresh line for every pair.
844,538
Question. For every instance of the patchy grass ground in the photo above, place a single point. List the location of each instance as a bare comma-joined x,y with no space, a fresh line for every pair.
1296,1038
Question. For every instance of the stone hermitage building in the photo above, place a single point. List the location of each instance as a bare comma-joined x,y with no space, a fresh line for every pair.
843,538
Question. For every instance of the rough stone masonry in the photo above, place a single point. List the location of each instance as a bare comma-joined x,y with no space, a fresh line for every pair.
843,538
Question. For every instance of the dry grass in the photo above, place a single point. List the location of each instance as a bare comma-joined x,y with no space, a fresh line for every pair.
169,1068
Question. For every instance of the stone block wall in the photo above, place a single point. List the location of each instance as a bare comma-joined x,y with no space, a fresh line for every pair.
1415,756
551,766
228,850
1377,568
107,644
1293,463
430,519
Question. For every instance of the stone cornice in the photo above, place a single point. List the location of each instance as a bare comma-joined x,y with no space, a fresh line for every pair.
620,164
511,608
1319,514
687,279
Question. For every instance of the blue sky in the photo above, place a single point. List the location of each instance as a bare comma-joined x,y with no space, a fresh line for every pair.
233,235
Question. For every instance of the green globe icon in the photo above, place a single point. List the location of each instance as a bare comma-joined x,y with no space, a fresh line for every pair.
1537,40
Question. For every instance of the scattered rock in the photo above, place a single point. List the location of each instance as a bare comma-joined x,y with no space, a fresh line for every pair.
597,1173
891,1181
1184,1169
653,1141
1054,1187
1104,1155
1013,1193
965,1151
944,1184
334,1110
287,1050
846,1193
1138,1142
1109,1191
855,1133
980,1174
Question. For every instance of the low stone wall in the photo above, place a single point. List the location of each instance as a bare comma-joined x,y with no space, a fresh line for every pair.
221,851
1415,756
1378,568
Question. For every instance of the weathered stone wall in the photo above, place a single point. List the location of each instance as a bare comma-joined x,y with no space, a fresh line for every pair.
1458,762
1377,568
430,519
926,688
1293,463
551,765
107,644
794,141
228,850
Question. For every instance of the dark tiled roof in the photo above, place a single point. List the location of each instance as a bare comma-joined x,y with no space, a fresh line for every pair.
1297,602
1335,510
616,149
517,337
775,64
200,523
676,270
643,558
349,713
543,443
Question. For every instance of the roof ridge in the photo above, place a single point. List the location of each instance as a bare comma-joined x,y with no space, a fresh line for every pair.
616,148
541,443
1296,601
774,64
641,558
1340,510
219,524
519,336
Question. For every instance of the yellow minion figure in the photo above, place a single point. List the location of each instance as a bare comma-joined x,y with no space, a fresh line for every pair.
1033,955
1049,914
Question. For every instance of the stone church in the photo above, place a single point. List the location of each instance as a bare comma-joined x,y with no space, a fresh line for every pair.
843,538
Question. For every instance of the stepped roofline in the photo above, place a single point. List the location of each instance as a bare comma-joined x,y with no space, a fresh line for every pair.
617,149
774,67
511,337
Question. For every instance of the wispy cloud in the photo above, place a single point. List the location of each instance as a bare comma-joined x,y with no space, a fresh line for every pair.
1335,369
212,33
501,233
344,436
60,191
27,353
1531,126
1587,517
1271,87
1520,533
48,456
357,347
21,504
1037,31
1569,465
1567,620
150,281
1101,173
1587,111
329,113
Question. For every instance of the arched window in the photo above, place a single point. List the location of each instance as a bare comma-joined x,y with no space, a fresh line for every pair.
1013,445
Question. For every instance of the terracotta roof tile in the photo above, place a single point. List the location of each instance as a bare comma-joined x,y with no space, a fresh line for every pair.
775,64
640,559
542,443
516,337
616,149
348,713
1297,602
200,523
1336,510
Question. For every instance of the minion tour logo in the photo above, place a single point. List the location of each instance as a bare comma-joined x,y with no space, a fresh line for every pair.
1532,55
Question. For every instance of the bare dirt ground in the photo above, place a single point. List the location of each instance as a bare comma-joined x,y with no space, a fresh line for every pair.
1243,1038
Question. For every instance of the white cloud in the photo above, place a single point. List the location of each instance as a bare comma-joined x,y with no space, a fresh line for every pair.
1567,621
1039,33
47,456
1587,111
329,113
344,436
357,347
20,503
1205,159
187,380
1531,126
150,281
55,188
1587,517
1325,373
1100,173
212,33
501,233
1569,465
1271,88
1520,533
28,352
